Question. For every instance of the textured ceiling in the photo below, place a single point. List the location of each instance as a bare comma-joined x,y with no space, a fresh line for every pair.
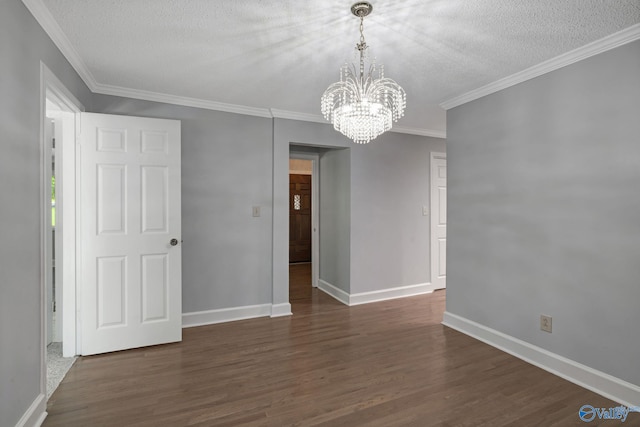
281,54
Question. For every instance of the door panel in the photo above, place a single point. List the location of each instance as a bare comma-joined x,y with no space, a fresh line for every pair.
112,290
154,288
131,286
110,191
155,197
299,218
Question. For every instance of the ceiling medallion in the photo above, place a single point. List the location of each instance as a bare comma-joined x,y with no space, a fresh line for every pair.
361,106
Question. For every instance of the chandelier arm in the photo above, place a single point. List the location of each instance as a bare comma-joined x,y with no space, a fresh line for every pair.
388,93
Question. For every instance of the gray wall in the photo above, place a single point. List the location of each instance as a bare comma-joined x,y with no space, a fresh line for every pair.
335,218
544,211
23,44
226,169
389,235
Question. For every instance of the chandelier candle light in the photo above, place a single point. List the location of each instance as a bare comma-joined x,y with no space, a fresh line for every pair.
361,106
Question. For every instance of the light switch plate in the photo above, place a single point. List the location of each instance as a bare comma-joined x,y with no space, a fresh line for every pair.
256,211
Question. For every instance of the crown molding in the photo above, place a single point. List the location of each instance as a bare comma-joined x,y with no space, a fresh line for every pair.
53,30
612,41
146,95
422,132
293,115
316,118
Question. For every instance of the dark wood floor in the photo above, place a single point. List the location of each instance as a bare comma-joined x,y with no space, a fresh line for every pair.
384,364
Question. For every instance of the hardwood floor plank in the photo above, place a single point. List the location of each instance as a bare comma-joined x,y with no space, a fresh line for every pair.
384,364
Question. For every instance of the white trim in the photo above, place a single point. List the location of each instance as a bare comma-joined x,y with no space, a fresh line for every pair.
238,109
279,310
41,13
78,244
181,100
315,211
317,118
333,291
66,231
54,85
45,226
50,84
35,415
374,296
293,115
422,132
391,293
599,382
612,41
210,317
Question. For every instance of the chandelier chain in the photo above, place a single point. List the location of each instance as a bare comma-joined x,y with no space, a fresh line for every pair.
362,42
361,46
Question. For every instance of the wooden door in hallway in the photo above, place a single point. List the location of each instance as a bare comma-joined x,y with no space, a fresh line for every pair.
299,218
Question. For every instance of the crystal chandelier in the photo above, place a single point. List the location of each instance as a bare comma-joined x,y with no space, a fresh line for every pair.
361,106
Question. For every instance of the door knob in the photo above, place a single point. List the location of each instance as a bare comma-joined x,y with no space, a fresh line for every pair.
173,242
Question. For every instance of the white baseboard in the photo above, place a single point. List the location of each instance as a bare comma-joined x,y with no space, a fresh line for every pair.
333,291
374,296
279,310
391,293
210,317
35,415
599,382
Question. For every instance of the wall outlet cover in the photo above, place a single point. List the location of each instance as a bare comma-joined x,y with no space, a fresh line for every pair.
546,323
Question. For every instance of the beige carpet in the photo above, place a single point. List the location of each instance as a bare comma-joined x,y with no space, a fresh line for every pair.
57,366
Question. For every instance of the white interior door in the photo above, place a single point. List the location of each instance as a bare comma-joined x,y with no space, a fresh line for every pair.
131,290
438,220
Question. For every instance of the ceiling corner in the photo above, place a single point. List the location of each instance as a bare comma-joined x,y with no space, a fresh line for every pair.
53,30
604,44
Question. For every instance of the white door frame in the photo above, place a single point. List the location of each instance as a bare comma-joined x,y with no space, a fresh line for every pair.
51,87
315,212
433,220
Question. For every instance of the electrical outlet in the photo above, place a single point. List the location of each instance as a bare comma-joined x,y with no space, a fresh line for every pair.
545,323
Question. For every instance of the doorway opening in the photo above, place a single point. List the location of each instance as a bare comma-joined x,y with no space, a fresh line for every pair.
57,364
58,130
303,228
59,126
